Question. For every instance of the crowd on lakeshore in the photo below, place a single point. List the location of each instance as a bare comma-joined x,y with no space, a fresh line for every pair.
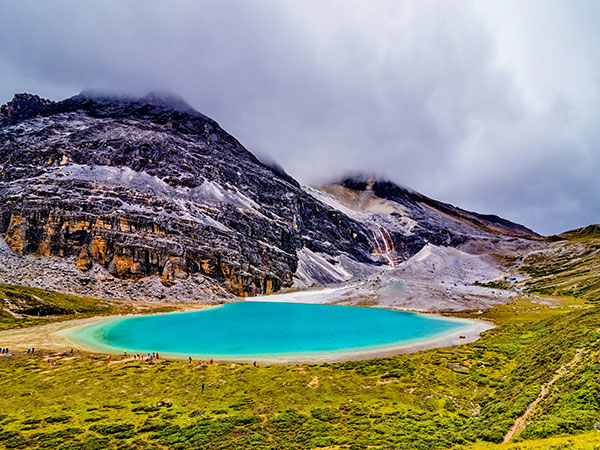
138,356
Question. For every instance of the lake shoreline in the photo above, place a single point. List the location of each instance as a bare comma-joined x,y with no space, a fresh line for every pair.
62,336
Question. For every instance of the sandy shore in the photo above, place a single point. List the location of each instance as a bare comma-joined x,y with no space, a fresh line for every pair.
62,336
56,336
46,337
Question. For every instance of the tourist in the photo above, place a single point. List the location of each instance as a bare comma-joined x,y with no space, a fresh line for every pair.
190,360
202,388
255,364
211,362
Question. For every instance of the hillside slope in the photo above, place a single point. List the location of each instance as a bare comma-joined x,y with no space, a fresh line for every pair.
569,266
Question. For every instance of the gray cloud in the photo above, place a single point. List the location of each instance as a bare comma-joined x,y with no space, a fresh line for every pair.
488,107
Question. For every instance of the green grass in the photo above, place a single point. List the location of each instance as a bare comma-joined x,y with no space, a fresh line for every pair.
569,270
497,284
586,233
585,441
22,306
453,397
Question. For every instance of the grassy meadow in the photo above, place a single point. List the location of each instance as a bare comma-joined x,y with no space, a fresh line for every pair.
465,396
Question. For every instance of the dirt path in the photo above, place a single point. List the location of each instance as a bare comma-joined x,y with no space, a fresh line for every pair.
520,422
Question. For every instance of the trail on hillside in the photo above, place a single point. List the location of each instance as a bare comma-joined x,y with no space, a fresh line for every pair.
519,424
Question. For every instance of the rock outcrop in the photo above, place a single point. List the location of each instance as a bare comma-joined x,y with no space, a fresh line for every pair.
150,187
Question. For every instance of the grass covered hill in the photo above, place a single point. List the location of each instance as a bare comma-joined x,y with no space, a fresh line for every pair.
22,306
570,267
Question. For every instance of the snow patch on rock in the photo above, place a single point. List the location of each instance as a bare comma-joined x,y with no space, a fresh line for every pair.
113,176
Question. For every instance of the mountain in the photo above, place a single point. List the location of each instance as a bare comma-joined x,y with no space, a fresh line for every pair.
409,220
148,198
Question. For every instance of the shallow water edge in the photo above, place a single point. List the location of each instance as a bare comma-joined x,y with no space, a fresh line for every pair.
85,336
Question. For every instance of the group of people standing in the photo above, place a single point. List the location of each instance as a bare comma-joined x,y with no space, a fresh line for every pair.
147,357
212,361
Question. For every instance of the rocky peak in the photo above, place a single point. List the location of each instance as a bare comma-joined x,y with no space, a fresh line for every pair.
380,187
161,107
421,207
163,100
22,107
168,100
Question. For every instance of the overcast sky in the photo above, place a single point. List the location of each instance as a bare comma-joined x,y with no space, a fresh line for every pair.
492,106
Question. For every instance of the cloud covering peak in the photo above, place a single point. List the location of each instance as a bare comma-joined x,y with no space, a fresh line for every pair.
489,106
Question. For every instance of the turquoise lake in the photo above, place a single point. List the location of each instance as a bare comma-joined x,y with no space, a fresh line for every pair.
247,330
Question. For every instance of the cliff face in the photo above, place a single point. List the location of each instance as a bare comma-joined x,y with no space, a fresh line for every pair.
151,187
